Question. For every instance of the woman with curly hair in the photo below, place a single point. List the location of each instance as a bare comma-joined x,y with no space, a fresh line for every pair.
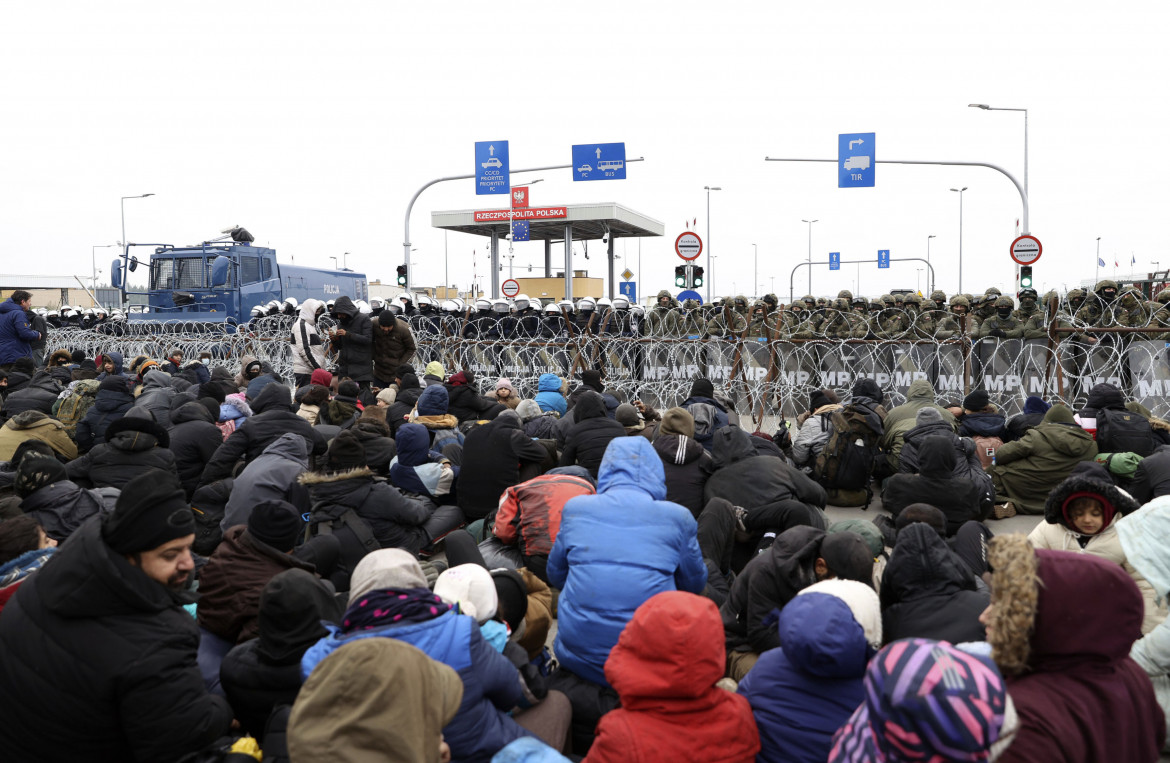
1061,626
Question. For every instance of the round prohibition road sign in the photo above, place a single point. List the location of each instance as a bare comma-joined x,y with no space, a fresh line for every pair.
688,245
1026,249
510,288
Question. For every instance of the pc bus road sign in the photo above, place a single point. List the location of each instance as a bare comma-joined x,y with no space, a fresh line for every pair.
688,245
834,260
1026,250
510,288
883,258
491,168
855,160
599,161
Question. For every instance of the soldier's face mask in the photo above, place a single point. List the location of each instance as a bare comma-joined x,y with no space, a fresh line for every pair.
1003,312
942,305
1109,294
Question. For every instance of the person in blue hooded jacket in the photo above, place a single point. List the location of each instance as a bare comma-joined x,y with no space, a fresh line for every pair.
416,469
548,394
802,691
111,365
16,333
614,551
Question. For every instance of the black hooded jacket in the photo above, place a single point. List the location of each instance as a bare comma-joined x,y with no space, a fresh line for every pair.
39,395
265,672
492,457
754,481
272,417
1152,478
958,497
688,466
356,354
63,506
404,403
135,444
769,581
591,434
928,592
194,440
90,638
108,406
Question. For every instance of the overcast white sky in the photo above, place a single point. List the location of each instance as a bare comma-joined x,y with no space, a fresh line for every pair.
312,124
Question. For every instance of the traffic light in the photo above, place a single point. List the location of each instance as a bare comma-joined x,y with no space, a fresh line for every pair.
1025,277
680,276
402,275
698,272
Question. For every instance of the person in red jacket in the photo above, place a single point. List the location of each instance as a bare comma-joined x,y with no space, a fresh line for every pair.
530,514
665,668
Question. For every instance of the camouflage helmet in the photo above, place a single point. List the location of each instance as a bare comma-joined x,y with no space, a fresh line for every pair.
772,300
1163,296
842,304
1075,294
740,303
808,299
1005,301
1028,293
899,298
959,299
1105,284
938,295
845,294
1049,296
967,295
822,302
911,299
876,305
859,301
690,304
887,300
992,290
759,304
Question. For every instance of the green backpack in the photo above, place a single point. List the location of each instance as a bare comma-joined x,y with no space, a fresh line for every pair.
72,409
1120,464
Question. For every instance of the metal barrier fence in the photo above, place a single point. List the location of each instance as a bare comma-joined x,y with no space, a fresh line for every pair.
764,379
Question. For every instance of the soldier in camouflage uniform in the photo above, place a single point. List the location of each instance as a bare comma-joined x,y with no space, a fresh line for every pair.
1160,318
774,306
939,298
730,321
842,323
961,314
935,322
1028,305
873,319
1131,312
665,320
813,317
788,320
845,294
1098,303
1002,325
692,322
986,308
761,324
894,322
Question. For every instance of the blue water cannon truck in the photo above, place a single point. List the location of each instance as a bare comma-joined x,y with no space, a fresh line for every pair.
221,280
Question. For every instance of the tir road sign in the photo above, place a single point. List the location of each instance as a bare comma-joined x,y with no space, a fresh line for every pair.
855,159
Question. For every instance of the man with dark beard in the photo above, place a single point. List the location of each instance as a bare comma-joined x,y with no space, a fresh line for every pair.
100,656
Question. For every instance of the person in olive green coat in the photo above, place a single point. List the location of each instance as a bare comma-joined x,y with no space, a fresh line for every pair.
1026,470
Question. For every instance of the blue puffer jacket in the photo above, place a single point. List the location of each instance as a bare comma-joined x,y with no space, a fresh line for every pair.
548,395
413,468
614,551
491,685
802,692
15,333
117,358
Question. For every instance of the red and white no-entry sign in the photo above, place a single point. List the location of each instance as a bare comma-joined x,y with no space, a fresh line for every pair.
1026,249
510,288
688,245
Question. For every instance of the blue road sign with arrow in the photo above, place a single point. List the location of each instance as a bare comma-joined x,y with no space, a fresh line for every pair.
883,258
855,160
599,161
629,290
491,168
834,260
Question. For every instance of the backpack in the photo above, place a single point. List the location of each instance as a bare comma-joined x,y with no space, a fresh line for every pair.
985,448
848,458
73,408
1124,432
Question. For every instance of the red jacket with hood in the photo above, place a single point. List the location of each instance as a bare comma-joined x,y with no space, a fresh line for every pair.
664,669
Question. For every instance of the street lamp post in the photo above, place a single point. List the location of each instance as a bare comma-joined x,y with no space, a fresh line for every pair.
93,264
985,107
960,192
710,265
140,196
1097,264
810,225
928,238
756,267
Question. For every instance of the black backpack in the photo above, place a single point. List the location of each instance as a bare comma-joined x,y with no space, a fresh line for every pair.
848,458
1124,432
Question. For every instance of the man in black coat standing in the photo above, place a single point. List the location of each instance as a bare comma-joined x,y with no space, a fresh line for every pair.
99,655
354,341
